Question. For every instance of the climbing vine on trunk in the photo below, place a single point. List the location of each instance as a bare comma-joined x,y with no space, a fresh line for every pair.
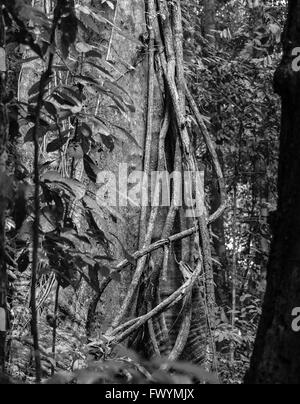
176,337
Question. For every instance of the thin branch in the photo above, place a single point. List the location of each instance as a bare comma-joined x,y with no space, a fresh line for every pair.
37,208
148,142
210,146
184,330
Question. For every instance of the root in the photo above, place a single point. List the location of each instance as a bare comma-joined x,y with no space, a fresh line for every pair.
133,325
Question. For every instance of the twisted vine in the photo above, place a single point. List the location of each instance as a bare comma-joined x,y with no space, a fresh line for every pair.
166,36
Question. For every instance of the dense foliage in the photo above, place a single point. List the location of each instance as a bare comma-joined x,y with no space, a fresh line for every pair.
64,121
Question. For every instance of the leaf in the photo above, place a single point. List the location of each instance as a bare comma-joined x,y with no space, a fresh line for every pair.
93,54
83,47
48,220
42,131
119,104
23,261
71,235
74,187
64,101
108,142
99,67
68,25
104,257
50,108
100,126
85,130
85,144
96,231
36,87
20,212
91,169
127,134
28,60
117,90
87,80
67,96
57,144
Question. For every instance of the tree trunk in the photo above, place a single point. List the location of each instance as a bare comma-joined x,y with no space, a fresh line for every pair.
209,21
4,181
277,348
130,17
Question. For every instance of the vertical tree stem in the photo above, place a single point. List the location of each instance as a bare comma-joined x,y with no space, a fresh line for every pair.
37,208
234,270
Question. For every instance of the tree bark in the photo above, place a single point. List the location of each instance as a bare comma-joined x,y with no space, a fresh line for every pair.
4,181
277,348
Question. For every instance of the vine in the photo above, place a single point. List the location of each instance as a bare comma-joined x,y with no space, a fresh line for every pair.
169,46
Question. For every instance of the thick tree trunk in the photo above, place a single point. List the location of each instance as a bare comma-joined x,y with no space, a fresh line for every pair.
277,348
3,191
121,53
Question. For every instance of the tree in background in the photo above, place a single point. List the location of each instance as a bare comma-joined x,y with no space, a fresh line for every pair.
277,347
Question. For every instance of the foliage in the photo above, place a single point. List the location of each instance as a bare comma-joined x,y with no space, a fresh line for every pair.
69,130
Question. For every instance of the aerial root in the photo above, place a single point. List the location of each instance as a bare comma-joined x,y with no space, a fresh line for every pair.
168,43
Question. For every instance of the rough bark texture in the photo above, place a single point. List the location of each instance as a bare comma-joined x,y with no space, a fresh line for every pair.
277,349
121,53
129,16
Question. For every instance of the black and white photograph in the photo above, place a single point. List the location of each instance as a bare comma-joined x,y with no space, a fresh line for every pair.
149,195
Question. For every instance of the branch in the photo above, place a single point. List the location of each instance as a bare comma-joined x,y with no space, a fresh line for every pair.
210,146
178,295
158,244
148,141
